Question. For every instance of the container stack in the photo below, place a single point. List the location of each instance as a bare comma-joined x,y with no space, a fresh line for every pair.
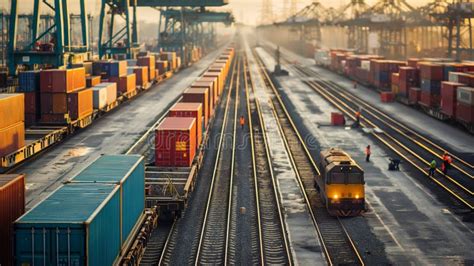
12,126
208,83
29,85
214,79
408,77
199,95
171,58
149,63
92,216
12,206
431,75
141,75
449,97
395,83
465,105
190,109
162,66
104,94
381,71
64,96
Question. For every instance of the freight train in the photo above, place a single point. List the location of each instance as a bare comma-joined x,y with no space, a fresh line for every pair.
341,183
439,87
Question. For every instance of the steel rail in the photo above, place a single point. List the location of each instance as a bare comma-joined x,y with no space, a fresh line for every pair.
267,231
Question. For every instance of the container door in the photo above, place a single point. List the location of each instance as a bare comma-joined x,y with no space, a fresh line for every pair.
67,246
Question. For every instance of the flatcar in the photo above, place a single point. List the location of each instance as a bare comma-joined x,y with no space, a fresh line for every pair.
341,183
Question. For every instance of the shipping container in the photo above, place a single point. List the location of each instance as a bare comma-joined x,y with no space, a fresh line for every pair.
429,99
29,81
80,103
211,93
99,209
12,138
337,119
465,95
32,103
86,65
414,94
91,81
175,143
186,109
199,95
115,68
162,66
104,92
386,97
62,80
465,112
98,67
12,109
12,206
209,81
149,62
125,84
448,97
431,71
218,77
141,75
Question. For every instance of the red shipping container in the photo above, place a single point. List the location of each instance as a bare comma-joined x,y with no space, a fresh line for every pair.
12,206
149,62
32,102
414,94
429,100
220,82
80,103
386,97
31,119
210,93
62,80
91,81
337,119
465,112
186,109
199,95
175,142
448,97
431,71
215,91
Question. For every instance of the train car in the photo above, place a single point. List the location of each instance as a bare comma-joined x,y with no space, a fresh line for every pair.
341,183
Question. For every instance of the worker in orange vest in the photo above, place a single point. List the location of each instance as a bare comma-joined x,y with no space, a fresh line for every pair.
367,153
357,120
446,163
242,121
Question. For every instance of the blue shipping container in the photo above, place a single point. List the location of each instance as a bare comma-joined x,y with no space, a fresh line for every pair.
79,224
29,81
129,172
74,208
433,86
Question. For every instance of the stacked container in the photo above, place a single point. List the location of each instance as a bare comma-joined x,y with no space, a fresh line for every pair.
408,77
190,109
12,127
125,84
104,94
175,143
431,75
465,105
171,58
395,83
12,206
162,66
149,63
212,84
449,97
199,95
61,99
29,85
216,77
381,71
141,75
91,81
88,220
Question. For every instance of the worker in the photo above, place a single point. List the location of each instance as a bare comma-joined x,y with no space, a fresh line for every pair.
242,121
355,84
357,119
432,168
446,163
367,153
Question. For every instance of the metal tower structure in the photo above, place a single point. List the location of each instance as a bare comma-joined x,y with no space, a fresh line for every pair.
56,52
357,36
267,12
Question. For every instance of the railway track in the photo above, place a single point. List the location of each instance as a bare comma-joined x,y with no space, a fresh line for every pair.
273,243
213,246
168,252
337,244
412,147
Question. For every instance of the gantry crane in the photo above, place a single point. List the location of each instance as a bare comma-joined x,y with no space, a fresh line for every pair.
124,40
51,45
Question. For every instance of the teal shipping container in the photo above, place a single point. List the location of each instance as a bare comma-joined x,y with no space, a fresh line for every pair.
88,220
128,171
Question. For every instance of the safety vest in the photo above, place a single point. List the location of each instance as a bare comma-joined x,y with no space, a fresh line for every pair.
242,121
367,151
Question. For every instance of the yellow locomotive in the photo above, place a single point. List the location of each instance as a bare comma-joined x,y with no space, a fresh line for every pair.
341,183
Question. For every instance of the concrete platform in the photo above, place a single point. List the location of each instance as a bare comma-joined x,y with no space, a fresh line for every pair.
112,134
405,223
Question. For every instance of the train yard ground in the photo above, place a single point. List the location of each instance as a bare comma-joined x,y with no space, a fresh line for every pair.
409,219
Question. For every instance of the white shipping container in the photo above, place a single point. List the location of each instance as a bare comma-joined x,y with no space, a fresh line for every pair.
465,95
111,91
365,64
99,97
453,76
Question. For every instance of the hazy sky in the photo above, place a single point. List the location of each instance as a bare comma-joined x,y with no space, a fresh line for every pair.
247,11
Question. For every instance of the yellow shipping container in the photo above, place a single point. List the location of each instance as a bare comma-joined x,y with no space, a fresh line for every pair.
12,138
12,109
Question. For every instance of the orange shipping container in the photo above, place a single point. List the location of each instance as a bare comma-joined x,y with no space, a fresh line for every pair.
12,206
80,103
125,83
62,80
185,109
198,89
12,138
220,83
215,93
148,61
92,81
12,109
